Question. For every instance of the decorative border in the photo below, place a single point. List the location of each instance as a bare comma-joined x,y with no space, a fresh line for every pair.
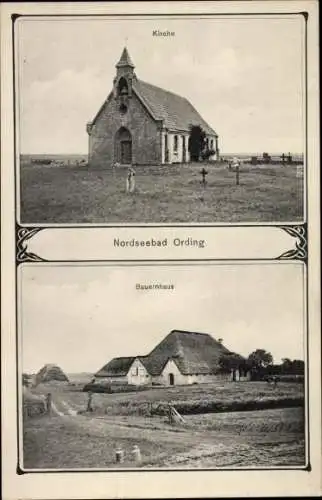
22,235
301,246
300,252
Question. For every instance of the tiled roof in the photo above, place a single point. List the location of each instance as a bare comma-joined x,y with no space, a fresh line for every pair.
176,111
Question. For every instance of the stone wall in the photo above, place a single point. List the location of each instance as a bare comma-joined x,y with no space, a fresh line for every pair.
145,132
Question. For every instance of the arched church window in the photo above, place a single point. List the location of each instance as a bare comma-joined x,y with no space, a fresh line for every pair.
122,87
123,95
175,143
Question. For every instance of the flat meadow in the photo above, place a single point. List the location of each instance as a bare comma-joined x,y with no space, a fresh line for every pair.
72,437
163,194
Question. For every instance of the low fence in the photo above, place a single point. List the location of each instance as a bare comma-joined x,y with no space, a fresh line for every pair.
34,406
266,160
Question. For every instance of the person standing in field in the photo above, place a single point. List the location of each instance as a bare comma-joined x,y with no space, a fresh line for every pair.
130,180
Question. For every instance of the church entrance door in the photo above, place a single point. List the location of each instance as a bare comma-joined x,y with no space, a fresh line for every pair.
126,152
123,146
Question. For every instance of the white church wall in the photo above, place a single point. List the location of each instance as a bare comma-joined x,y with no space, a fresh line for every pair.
163,134
187,154
176,155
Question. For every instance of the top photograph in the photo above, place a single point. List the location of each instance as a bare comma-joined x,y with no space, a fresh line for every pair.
178,120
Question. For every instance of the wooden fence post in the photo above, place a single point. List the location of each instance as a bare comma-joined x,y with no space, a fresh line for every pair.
119,455
89,402
49,403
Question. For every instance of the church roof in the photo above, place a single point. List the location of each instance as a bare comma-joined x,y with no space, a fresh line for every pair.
176,112
193,353
125,59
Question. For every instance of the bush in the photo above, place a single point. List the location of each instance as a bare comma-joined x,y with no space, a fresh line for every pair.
207,154
111,388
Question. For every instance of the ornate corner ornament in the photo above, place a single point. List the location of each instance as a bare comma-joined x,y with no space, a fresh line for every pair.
22,235
300,250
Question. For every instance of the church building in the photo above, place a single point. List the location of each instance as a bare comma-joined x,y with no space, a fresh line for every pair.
141,124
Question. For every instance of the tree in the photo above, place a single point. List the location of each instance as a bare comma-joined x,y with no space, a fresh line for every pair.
196,143
298,366
230,362
295,367
260,359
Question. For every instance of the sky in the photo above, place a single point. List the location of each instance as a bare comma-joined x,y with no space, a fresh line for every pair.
244,76
82,316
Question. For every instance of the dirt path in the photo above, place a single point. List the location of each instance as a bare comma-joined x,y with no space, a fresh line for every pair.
71,440
60,407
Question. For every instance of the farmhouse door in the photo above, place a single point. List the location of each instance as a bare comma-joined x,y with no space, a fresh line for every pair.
126,152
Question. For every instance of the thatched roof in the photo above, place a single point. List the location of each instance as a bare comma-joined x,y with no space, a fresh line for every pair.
49,373
117,367
193,353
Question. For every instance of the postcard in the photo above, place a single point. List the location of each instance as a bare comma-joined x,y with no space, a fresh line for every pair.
160,211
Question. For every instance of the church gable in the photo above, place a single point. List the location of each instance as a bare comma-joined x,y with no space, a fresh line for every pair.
140,123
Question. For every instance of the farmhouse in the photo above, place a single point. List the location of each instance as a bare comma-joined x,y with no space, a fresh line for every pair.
180,358
140,123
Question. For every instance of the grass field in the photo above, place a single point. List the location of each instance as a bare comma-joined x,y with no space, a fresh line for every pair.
72,438
167,194
187,399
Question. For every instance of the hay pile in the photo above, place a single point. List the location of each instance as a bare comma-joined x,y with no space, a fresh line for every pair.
50,373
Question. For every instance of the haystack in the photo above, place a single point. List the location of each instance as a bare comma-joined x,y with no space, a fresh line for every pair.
50,373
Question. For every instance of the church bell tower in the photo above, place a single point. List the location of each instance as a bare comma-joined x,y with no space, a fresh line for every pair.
122,83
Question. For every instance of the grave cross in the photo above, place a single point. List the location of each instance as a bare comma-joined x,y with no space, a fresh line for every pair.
204,173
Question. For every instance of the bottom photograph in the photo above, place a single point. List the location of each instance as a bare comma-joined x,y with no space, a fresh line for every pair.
162,366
